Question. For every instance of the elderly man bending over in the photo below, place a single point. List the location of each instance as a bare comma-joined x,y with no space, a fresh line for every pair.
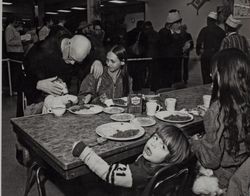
51,59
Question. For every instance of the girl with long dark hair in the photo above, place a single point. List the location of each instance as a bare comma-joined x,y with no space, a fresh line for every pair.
226,143
114,82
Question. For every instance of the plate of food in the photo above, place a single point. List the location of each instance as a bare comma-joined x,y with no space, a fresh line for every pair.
174,116
113,110
123,117
123,101
85,109
144,121
120,131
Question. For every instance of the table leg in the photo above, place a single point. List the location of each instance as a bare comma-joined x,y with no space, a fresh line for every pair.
34,173
9,77
30,178
38,181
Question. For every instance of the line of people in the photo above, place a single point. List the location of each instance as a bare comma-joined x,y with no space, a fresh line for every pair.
169,48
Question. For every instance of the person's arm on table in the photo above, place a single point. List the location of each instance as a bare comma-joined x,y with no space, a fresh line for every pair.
115,174
209,149
87,89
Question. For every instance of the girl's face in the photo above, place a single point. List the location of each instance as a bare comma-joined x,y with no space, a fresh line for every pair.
155,150
113,62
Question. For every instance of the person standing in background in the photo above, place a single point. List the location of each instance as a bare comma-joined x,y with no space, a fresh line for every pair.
233,38
188,46
14,48
44,31
207,44
170,50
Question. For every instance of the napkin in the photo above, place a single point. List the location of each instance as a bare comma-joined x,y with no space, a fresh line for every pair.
109,102
51,101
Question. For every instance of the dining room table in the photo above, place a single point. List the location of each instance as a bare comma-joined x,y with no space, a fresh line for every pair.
50,138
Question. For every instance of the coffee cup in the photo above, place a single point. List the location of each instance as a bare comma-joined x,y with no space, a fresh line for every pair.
206,100
58,110
170,104
152,107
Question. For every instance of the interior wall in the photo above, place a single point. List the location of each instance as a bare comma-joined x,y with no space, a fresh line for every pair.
131,20
157,11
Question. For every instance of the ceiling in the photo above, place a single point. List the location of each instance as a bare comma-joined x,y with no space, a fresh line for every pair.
24,9
53,5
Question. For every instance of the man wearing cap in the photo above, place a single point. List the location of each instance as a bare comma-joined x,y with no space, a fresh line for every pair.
233,38
51,58
207,44
170,50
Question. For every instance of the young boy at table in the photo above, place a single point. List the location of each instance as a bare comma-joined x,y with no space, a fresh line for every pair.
166,147
114,82
226,142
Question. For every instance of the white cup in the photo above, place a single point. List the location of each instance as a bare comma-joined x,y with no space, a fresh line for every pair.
170,104
58,110
206,100
152,107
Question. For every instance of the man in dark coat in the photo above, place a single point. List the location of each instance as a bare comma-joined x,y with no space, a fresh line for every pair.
207,44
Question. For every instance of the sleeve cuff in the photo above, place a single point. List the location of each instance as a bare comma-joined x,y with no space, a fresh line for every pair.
78,148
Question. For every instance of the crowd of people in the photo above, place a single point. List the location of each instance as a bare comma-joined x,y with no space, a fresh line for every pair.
225,146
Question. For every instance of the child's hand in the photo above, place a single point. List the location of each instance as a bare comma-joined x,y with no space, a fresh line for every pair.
205,171
78,148
84,100
103,98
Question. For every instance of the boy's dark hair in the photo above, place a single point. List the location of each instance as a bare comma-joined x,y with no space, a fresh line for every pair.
177,143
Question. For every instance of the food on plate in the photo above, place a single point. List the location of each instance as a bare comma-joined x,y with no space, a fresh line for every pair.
126,133
144,121
81,107
122,117
177,117
120,101
113,110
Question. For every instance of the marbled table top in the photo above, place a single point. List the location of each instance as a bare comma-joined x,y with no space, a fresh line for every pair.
54,136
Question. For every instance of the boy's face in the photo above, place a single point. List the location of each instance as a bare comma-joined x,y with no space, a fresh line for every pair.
113,62
155,150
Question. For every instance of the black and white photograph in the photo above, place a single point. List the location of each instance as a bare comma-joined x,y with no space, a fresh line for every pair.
125,98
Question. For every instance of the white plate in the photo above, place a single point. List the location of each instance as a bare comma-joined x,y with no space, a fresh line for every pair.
144,121
123,101
163,114
110,129
88,109
122,117
113,110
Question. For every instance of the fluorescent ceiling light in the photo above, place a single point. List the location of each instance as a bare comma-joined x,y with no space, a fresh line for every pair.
101,5
51,13
64,11
117,1
78,8
7,3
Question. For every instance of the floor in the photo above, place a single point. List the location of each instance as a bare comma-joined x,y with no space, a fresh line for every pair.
14,175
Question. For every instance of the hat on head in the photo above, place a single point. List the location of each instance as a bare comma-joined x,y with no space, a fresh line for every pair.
213,15
173,17
232,22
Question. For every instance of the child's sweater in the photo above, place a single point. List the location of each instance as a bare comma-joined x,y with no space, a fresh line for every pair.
103,85
134,175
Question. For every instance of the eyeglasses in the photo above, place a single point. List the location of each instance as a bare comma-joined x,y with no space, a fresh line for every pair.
69,58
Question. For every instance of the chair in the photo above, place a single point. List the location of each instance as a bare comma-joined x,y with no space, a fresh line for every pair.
239,183
168,181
